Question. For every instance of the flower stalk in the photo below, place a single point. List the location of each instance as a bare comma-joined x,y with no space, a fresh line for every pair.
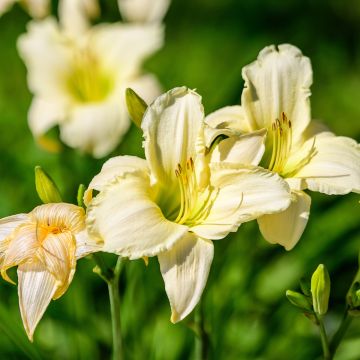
112,277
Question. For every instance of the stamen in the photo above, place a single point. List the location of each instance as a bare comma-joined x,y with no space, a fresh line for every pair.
194,206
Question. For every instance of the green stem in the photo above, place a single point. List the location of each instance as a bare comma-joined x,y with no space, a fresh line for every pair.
324,339
112,277
338,336
202,338
114,295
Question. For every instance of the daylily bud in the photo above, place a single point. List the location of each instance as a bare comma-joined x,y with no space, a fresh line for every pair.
305,286
136,106
298,300
80,195
320,289
45,187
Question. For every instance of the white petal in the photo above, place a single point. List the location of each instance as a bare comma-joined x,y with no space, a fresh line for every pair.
58,256
47,57
278,81
112,168
75,15
185,269
96,128
5,6
335,166
43,115
246,149
36,289
37,8
244,194
228,121
286,228
124,47
10,223
128,221
22,247
85,244
172,125
143,11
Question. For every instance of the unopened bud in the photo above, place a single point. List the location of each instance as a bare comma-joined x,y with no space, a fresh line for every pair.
136,106
305,286
320,289
298,300
45,187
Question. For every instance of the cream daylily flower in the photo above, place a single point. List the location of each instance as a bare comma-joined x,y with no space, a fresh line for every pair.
143,11
36,8
79,74
180,198
44,244
276,98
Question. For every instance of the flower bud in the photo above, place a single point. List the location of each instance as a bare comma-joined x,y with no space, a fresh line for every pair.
136,106
45,187
305,286
320,289
298,300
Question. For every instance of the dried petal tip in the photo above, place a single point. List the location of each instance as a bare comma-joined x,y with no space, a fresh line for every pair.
320,289
136,106
45,187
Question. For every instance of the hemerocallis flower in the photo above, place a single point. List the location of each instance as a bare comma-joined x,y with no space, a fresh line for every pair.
276,98
143,11
36,8
78,74
181,197
44,244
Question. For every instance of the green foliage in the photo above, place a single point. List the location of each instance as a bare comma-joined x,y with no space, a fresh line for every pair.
207,44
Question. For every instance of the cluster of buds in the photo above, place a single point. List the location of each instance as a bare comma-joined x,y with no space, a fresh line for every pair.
313,299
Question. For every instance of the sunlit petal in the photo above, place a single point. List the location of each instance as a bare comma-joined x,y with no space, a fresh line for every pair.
285,228
171,127
246,149
128,221
36,289
244,194
334,167
185,269
278,81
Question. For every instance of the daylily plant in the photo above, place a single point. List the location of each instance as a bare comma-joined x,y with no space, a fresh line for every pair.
182,196
45,245
78,74
308,156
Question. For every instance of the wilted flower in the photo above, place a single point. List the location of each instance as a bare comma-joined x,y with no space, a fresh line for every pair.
143,11
180,198
79,74
276,98
35,8
44,244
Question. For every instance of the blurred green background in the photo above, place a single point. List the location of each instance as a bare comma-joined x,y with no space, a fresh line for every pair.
246,312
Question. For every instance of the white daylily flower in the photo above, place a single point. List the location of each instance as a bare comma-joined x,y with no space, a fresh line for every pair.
143,11
276,98
79,81
36,8
180,198
45,245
